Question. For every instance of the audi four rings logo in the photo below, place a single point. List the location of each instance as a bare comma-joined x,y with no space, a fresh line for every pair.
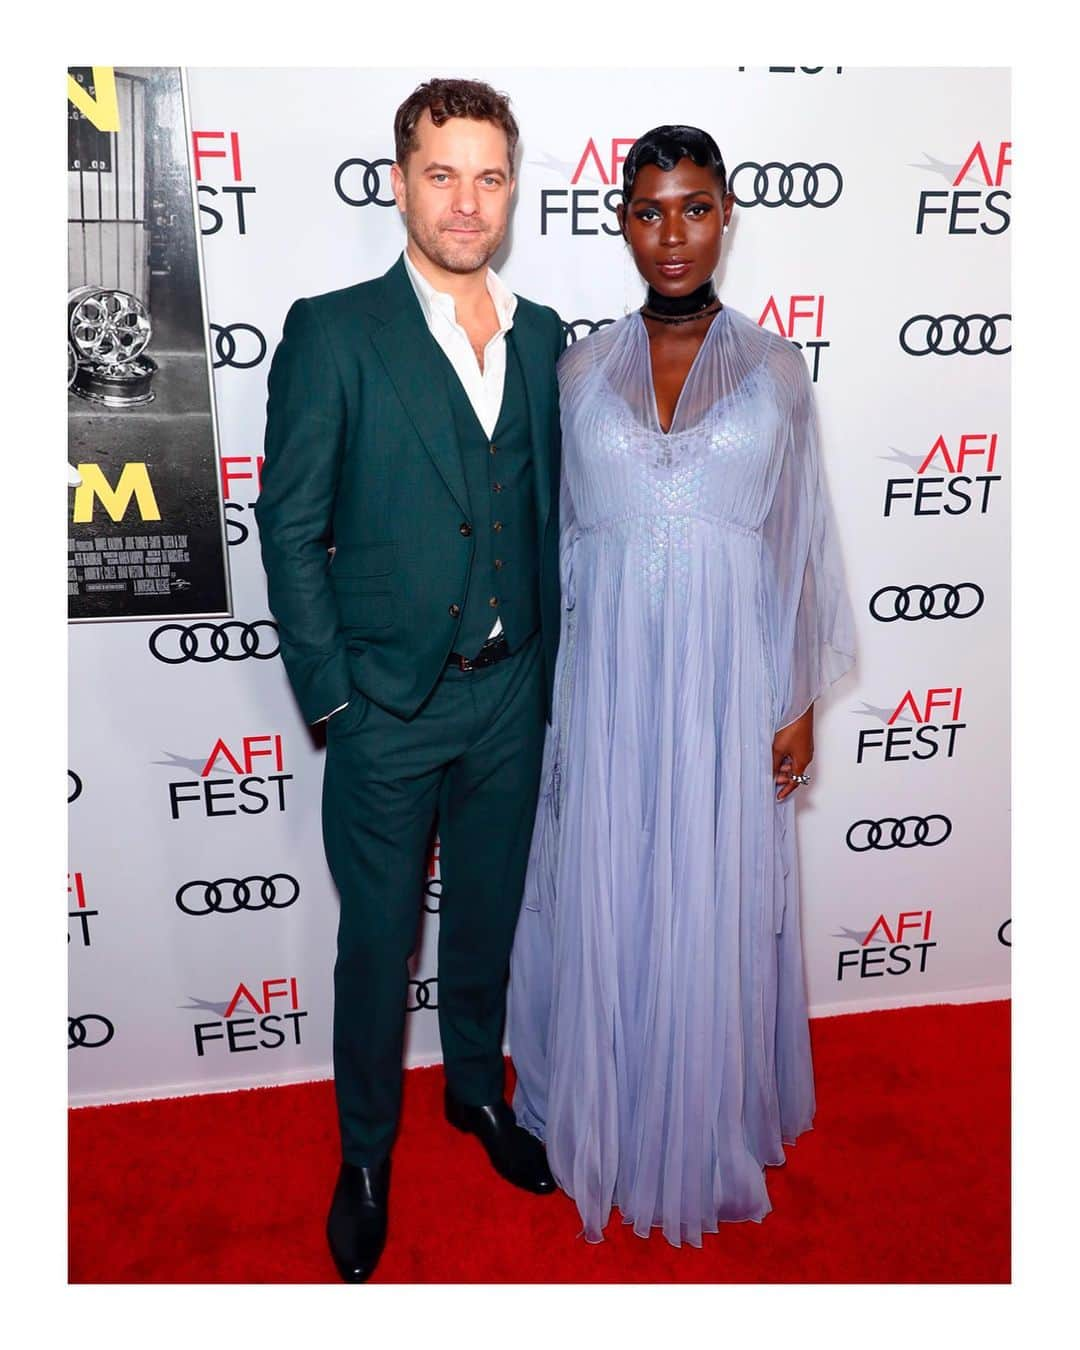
422,994
226,345
905,832
940,601
956,334
374,182
776,184
232,894
580,328
91,1031
206,642
74,786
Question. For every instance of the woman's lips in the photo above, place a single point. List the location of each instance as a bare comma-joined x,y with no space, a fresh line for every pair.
673,268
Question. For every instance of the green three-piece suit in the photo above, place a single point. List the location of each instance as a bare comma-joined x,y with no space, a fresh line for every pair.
394,531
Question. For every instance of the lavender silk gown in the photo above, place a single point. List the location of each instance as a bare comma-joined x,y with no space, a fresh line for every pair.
657,1005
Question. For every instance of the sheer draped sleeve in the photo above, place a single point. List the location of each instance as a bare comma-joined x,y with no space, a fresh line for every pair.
573,370
543,858
813,629
568,529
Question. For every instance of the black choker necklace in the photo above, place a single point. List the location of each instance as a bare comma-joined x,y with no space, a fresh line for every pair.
680,308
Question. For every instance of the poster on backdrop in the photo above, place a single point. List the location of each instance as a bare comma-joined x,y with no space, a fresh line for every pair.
145,525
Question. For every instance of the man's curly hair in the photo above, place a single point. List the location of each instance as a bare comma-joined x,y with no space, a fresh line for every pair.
444,99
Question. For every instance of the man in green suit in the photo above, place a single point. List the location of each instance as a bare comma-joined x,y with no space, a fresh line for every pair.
408,520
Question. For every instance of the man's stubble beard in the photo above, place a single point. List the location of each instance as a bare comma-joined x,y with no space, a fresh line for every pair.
464,259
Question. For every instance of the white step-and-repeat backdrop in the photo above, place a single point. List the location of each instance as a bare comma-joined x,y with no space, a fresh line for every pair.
871,228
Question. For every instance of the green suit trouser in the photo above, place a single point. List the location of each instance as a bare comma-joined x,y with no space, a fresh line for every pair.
468,762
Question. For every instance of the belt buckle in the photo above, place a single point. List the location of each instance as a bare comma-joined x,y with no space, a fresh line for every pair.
465,664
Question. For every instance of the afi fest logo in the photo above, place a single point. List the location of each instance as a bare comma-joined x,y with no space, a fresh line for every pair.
78,908
241,477
917,728
247,777
582,209
800,319
797,70
889,948
974,200
231,190
954,476
256,1017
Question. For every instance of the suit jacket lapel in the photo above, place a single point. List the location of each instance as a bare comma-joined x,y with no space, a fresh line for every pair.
418,374
534,353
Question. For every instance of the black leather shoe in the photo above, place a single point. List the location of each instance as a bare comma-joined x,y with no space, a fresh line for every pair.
356,1224
515,1153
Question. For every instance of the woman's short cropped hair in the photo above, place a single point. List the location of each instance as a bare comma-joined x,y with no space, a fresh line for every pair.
665,146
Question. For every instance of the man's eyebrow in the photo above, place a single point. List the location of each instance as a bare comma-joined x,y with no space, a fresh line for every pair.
449,168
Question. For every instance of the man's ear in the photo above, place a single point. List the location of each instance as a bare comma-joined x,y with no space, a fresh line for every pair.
397,186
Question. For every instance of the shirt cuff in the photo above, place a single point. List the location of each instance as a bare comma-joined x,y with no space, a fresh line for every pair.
327,716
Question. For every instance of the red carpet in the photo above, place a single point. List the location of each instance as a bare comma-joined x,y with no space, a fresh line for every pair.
905,1178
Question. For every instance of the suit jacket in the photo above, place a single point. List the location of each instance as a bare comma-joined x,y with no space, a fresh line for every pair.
361,454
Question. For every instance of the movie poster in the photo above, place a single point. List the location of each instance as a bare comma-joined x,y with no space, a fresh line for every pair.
145,519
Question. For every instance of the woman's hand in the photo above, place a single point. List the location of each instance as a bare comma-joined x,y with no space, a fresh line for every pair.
792,751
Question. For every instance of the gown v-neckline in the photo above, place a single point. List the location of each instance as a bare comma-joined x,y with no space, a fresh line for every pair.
654,406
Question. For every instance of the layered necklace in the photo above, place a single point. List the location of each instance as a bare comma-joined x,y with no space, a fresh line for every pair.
698,304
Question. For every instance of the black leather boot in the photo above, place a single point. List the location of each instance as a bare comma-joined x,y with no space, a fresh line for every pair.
515,1153
356,1224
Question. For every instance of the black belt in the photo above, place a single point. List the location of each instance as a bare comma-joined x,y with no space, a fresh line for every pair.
494,649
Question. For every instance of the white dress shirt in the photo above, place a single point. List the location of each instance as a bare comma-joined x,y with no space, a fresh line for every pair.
484,388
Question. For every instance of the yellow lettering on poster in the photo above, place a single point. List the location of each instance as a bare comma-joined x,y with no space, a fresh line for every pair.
134,482
104,109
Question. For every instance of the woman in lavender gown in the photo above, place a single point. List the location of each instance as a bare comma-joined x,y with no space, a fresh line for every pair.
657,1006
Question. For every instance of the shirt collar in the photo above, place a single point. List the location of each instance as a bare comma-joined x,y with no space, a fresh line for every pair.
434,302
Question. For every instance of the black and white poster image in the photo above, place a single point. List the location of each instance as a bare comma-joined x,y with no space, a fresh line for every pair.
145,517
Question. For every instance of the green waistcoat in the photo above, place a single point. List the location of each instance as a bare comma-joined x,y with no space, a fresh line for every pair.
499,477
